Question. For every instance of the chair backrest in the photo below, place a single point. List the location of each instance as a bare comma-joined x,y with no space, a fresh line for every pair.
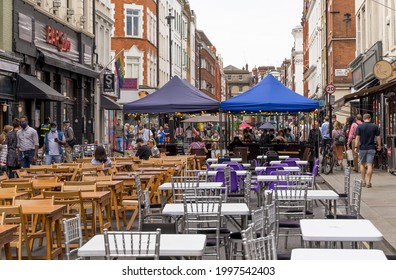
270,169
228,177
241,152
270,220
198,152
291,201
262,248
307,153
255,163
73,233
347,181
21,186
271,155
182,185
248,233
79,186
289,162
202,174
258,216
132,244
247,188
356,196
202,214
166,223
234,165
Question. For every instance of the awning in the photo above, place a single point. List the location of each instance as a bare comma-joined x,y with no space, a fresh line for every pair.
370,91
108,104
203,119
32,88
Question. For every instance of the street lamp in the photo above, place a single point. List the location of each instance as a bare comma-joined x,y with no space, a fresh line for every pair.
199,65
169,18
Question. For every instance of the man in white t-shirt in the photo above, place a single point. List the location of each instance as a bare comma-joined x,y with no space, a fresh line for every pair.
147,134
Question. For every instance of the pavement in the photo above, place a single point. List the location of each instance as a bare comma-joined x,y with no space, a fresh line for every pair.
378,204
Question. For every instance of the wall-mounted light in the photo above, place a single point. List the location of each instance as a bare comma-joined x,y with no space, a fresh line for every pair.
19,108
347,17
5,107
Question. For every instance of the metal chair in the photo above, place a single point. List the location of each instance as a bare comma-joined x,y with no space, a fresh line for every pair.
129,244
184,185
72,232
201,174
353,211
203,215
262,248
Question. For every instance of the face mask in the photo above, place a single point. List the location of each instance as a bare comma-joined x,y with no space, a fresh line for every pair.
53,129
23,125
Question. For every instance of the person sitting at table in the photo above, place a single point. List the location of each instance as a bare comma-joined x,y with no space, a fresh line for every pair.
143,151
197,144
246,136
101,157
280,138
235,143
215,139
155,152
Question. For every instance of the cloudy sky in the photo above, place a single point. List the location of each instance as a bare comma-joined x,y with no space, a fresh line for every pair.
257,32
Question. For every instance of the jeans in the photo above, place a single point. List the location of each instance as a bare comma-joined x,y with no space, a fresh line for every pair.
119,144
26,158
53,158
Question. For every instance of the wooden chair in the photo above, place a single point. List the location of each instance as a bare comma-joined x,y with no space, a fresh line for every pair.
13,215
44,184
20,186
21,173
3,177
86,186
135,204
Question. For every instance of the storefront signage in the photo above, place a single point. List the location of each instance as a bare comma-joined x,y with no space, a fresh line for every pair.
108,82
58,39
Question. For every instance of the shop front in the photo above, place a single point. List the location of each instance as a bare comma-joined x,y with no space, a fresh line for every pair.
9,69
56,74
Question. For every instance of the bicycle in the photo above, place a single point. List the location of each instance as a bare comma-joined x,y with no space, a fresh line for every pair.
328,157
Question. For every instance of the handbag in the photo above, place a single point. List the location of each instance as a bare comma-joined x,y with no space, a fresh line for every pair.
349,155
72,142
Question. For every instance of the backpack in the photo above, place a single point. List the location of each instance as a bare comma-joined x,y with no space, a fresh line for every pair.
340,139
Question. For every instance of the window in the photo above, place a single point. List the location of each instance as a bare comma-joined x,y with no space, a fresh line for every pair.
240,77
132,22
240,88
229,77
132,66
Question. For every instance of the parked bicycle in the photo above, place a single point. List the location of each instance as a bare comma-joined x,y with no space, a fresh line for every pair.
328,157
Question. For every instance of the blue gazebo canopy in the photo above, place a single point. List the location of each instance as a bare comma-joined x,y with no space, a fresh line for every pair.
269,95
175,96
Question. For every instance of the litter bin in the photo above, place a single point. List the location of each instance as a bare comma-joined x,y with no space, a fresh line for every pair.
391,152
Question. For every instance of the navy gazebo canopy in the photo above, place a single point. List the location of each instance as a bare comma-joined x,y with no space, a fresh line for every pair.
175,96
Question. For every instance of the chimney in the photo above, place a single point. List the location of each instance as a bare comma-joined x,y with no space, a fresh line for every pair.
247,68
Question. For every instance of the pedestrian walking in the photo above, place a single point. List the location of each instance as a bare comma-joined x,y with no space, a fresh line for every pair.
52,147
70,141
28,143
12,155
119,133
367,134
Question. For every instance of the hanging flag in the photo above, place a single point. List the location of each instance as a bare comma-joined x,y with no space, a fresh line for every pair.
119,65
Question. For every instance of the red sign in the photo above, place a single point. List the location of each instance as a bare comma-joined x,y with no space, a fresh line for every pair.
330,89
130,83
58,39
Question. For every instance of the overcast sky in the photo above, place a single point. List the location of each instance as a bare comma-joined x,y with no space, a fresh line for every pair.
257,32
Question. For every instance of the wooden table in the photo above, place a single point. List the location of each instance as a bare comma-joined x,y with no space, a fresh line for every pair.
116,188
53,215
10,196
6,236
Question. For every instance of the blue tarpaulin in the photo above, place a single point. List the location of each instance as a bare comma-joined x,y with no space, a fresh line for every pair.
269,95
175,96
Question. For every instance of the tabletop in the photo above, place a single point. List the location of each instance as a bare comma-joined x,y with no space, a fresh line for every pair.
231,159
170,245
274,178
227,209
298,162
202,185
339,230
238,172
265,157
286,168
337,254
320,194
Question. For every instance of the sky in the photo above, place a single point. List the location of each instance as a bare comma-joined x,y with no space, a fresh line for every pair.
256,32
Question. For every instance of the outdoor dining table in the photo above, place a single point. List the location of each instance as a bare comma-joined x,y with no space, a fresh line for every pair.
165,189
8,197
265,157
53,216
116,189
336,254
286,168
339,230
171,245
298,162
229,210
215,160
223,165
6,236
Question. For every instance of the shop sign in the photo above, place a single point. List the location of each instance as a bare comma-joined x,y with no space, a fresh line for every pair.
108,82
58,38
129,83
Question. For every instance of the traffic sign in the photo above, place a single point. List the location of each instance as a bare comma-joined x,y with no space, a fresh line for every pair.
330,89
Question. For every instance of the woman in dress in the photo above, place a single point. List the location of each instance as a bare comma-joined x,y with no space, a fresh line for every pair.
197,144
101,157
339,144
11,142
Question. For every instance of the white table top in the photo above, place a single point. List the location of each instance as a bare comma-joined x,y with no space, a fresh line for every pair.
337,254
202,185
170,245
339,230
299,162
231,159
287,168
238,172
320,194
227,209
222,165
265,157
274,178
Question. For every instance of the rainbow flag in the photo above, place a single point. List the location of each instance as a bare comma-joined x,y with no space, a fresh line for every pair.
119,65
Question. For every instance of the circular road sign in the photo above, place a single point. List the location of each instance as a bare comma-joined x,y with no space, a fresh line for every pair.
330,89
